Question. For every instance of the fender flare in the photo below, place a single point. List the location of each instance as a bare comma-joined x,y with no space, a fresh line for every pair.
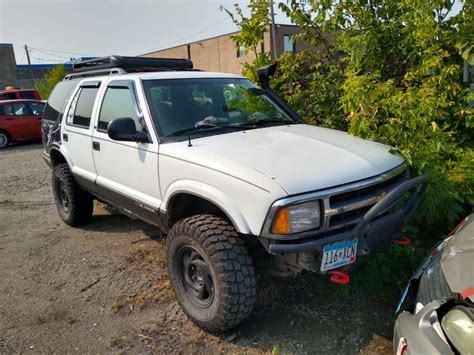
61,150
211,194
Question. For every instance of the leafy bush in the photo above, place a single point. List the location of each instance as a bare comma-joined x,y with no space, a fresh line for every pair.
390,71
46,85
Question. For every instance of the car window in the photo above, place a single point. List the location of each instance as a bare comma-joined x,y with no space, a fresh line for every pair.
57,100
36,108
8,96
80,111
20,109
28,94
119,102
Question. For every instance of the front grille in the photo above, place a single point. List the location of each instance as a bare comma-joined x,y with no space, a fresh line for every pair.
365,192
349,206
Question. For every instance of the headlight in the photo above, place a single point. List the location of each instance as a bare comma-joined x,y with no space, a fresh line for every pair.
458,324
297,218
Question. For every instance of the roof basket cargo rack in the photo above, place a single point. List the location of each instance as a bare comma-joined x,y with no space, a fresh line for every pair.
120,65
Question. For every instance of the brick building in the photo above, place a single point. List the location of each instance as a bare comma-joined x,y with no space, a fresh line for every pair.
221,54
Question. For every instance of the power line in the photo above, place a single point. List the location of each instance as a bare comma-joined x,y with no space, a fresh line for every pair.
189,36
62,51
51,54
45,60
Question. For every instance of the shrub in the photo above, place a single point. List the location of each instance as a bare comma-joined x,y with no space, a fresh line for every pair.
390,71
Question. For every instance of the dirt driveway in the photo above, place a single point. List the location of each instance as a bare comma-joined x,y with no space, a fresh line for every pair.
103,288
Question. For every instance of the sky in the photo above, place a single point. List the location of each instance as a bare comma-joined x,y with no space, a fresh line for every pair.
57,30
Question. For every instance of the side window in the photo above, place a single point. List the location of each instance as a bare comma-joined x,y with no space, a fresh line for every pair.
80,111
57,100
119,102
36,108
16,110
28,94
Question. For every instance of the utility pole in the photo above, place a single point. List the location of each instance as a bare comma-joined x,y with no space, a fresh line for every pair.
29,66
272,13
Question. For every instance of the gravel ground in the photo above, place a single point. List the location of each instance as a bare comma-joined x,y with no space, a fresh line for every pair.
103,288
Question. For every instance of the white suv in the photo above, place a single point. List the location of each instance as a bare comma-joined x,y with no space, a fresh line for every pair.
227,170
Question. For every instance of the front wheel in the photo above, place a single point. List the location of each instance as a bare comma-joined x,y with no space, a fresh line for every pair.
211,272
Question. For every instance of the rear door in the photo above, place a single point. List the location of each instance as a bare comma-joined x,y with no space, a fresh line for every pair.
127,172
76,133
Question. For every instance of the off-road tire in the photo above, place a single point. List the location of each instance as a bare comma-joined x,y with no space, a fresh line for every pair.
231,269
4,139
80,203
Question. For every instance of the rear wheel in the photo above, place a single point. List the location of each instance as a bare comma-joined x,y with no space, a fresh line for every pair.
211,272
75,206
4,139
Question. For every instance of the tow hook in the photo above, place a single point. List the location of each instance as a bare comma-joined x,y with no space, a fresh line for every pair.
403,241
339,277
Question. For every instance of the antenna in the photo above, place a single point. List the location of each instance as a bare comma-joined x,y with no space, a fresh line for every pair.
189,139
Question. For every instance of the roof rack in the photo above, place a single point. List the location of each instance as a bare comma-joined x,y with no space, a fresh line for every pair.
120,65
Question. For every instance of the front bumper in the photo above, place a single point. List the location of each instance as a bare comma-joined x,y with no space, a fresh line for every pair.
374,231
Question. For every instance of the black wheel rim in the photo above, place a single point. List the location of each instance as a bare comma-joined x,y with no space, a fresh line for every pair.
195,276
63,198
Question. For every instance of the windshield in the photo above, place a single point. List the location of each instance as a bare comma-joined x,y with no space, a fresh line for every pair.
179,105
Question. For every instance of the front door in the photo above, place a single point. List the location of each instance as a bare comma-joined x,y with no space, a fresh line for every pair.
127,172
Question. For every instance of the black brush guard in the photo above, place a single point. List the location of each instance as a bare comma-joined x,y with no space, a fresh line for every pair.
377,227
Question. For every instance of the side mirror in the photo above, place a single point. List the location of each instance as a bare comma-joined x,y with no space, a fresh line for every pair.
264,74
123,129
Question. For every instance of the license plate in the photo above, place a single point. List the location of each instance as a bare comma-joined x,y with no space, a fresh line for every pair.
339,254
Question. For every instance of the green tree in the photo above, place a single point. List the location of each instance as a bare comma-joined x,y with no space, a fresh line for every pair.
251,31
51,78
391,71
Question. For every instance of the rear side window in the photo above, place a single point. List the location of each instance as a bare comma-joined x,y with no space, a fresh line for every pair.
80,111
28,94
118,102
8,96
57,100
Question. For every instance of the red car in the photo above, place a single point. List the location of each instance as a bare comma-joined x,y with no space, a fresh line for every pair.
20,120
18,94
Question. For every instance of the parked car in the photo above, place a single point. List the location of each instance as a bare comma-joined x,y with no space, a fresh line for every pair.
20,120
223,168
18,94
436,311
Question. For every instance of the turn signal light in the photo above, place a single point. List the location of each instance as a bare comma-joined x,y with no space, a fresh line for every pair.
281,223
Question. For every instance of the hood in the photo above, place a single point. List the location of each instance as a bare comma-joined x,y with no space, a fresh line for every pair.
301,157
457,258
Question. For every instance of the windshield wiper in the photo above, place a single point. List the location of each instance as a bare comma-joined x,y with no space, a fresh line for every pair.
265,121
204,128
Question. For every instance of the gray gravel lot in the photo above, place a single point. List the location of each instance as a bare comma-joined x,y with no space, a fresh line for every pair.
103,288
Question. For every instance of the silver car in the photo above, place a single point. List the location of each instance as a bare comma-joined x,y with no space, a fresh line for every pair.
436,310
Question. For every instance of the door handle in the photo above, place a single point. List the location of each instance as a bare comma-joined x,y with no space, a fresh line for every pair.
65,137
96,146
